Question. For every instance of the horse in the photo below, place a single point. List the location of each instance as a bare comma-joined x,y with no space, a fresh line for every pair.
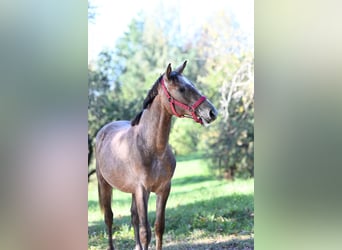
135,157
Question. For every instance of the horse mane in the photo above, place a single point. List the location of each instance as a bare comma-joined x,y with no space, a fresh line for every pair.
152,93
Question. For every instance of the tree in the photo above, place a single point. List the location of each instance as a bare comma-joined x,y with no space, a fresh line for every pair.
105,101
233,149
104,94
229,69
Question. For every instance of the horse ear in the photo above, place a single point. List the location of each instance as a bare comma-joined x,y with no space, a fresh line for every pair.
181,67
168,71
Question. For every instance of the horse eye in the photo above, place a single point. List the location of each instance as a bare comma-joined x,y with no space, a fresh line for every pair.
181,89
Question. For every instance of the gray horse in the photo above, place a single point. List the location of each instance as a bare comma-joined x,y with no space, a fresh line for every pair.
135,156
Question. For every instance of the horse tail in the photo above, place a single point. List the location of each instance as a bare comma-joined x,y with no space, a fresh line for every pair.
90,157
91,153
90,149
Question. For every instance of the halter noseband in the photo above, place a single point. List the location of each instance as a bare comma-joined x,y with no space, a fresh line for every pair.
191,108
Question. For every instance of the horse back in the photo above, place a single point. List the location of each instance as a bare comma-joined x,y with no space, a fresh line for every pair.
109,130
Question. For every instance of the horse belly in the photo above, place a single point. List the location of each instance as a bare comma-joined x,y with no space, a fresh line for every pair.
114,159
122,183
119,176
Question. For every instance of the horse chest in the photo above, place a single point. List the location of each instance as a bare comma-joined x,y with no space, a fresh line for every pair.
158,175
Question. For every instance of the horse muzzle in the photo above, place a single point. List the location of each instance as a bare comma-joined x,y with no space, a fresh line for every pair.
207,113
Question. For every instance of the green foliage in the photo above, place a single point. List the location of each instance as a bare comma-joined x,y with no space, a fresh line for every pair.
105,100
184,136
229,80
231,149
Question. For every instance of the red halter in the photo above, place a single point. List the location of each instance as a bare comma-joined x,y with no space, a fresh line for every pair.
191,108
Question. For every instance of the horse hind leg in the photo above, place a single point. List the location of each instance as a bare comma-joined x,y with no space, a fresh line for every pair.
105,200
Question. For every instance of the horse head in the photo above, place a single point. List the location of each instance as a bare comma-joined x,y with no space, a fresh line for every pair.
183,99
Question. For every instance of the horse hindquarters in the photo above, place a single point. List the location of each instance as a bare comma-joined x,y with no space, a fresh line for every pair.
105,200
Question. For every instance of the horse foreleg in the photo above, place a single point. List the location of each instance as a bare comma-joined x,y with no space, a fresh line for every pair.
135,222
141,202
160,216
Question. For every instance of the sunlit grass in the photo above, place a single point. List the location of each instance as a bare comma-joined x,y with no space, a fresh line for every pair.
201,208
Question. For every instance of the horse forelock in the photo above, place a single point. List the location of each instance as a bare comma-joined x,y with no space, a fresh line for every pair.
174,76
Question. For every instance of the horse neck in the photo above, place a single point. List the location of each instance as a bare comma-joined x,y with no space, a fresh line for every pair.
155,126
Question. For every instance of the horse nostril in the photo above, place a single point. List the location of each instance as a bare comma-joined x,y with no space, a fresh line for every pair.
213,114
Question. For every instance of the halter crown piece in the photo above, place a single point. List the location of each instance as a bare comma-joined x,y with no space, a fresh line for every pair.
191,108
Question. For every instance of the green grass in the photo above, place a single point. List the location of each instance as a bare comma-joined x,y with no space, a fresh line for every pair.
202,213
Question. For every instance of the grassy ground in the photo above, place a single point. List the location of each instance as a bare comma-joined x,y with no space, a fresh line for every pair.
202,213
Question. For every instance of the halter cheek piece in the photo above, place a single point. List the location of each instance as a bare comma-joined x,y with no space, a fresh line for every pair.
191,108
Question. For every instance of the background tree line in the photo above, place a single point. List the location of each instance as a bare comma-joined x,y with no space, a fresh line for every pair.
220,63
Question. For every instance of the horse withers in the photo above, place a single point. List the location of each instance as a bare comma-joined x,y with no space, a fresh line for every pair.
135,157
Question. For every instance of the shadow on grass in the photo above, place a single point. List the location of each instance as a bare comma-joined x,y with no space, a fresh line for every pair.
219,217
192,180
232,244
